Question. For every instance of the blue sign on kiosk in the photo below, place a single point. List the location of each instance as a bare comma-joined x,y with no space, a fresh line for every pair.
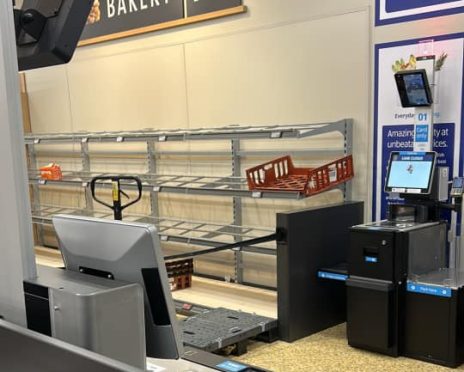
427,289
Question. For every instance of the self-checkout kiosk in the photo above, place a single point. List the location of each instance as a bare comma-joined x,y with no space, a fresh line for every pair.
382,254
404,284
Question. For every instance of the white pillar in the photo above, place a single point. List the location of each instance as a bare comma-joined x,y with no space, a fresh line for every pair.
16,242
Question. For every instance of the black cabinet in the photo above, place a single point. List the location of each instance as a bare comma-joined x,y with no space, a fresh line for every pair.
434,327
313,238
372,315
380,258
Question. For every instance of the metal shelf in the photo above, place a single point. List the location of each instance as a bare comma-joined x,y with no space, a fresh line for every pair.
153,155
202,134
197,233
328,152
180,184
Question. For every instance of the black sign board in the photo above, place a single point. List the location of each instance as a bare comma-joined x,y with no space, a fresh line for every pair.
196,7
112,19
115,16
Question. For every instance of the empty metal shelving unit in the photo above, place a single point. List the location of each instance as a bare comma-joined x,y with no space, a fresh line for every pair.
155,182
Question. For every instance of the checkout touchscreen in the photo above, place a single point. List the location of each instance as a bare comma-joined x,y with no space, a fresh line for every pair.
410,172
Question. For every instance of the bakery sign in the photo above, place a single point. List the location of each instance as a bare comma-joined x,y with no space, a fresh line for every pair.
113,19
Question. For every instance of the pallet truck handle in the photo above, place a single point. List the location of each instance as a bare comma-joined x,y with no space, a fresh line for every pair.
117,206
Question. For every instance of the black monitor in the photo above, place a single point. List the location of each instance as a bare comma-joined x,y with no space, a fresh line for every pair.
129,252
47,31
410,172
413,88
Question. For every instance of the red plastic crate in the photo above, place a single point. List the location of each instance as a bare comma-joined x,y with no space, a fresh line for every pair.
281,175
180,273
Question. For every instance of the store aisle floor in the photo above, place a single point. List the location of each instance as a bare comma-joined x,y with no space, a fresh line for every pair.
328,351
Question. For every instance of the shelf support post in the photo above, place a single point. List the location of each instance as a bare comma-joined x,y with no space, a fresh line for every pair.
237,206
151,158
85,157
35,188
348,146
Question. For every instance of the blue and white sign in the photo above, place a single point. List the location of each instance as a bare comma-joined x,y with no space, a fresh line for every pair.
231,366
422,133
394,125
431,290
394,11
332,276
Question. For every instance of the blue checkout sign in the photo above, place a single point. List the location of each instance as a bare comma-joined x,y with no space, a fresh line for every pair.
431,290
400,5
422,133
331,276
230,366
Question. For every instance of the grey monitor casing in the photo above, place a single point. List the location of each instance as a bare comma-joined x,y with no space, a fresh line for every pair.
131,252
105,316
23,350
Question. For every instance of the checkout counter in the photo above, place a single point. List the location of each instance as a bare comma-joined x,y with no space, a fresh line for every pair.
380,257
402,297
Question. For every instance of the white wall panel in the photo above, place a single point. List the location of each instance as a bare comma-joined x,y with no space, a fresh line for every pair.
49,100
129,91
307,72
